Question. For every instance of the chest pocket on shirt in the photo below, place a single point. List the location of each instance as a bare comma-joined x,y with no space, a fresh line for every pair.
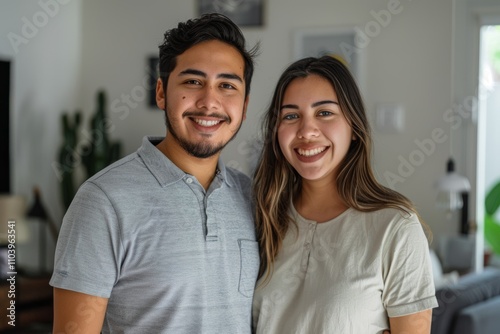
249,266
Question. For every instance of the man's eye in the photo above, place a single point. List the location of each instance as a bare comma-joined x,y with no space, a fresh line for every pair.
193,82
227,86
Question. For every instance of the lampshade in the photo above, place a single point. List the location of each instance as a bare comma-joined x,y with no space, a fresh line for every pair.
12,207
451,186
452,181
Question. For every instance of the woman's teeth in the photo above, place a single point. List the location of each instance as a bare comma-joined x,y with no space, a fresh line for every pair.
312,152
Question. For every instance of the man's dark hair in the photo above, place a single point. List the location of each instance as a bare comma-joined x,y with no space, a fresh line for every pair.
207,27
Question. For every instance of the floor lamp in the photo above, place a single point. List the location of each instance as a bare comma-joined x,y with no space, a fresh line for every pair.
37,211
454,194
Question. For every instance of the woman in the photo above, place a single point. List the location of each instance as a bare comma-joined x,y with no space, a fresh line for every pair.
340,253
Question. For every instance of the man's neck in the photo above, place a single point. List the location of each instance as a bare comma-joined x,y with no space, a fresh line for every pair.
203,169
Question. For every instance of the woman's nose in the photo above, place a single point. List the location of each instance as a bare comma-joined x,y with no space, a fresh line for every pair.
308,129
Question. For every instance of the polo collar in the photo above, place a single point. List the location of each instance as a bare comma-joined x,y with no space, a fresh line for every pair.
164,170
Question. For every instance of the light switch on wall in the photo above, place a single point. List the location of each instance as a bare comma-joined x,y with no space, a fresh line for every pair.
390,118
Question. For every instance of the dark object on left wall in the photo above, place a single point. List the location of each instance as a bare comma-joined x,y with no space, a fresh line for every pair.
245,13
152,75
5,169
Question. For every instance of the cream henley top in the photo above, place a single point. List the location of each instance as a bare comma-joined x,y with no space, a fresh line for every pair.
347,275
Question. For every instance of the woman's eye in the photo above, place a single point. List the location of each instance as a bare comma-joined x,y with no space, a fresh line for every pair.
290,117
325,113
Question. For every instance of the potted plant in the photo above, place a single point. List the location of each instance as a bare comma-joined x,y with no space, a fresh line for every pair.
93,154
491,222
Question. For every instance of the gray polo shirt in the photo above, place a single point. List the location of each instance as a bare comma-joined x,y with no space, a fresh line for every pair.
170,256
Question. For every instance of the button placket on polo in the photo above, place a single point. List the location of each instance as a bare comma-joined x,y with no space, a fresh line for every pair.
211,212
212,228
200,194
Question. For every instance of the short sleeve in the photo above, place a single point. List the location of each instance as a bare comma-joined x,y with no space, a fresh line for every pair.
408,283
88,249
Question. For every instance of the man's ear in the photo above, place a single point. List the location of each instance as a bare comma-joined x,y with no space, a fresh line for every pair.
160,94
245,105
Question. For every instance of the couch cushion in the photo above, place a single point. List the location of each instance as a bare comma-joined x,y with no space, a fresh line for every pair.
482,318
440,279
471,289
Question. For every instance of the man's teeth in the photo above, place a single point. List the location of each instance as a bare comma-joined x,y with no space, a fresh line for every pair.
206,123
312,152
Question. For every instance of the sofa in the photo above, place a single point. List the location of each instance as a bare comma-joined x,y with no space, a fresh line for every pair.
471,305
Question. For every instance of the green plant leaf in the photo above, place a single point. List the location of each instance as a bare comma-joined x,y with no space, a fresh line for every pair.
492,201
492,233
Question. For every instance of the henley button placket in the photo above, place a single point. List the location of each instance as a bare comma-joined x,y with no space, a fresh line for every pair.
307,246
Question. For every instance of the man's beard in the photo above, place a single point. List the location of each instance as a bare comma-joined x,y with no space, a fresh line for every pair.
200,150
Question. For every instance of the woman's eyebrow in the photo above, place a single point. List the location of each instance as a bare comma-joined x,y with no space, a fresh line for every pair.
289,106
315,104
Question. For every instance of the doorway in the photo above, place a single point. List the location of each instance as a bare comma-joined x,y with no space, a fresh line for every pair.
488,134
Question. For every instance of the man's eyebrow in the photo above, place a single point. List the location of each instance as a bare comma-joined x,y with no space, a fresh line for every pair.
191,71
315,104
229,76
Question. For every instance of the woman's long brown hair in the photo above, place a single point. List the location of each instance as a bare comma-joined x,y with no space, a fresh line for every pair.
276,182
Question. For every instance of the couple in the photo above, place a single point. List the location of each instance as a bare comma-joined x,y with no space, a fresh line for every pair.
164,241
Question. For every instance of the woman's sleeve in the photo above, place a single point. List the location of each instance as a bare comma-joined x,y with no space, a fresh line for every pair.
408,281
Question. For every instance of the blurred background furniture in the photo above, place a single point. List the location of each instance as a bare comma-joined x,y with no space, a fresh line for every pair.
33,305
457,253
469,306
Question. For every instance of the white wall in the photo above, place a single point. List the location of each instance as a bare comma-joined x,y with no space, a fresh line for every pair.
407,62
118,37
43,39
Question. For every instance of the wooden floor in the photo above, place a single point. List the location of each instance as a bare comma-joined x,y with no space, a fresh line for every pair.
32,329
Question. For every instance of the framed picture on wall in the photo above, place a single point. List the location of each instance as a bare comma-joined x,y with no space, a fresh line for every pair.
242,12
152,74
343,43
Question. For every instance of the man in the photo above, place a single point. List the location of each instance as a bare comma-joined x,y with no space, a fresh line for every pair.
163,240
